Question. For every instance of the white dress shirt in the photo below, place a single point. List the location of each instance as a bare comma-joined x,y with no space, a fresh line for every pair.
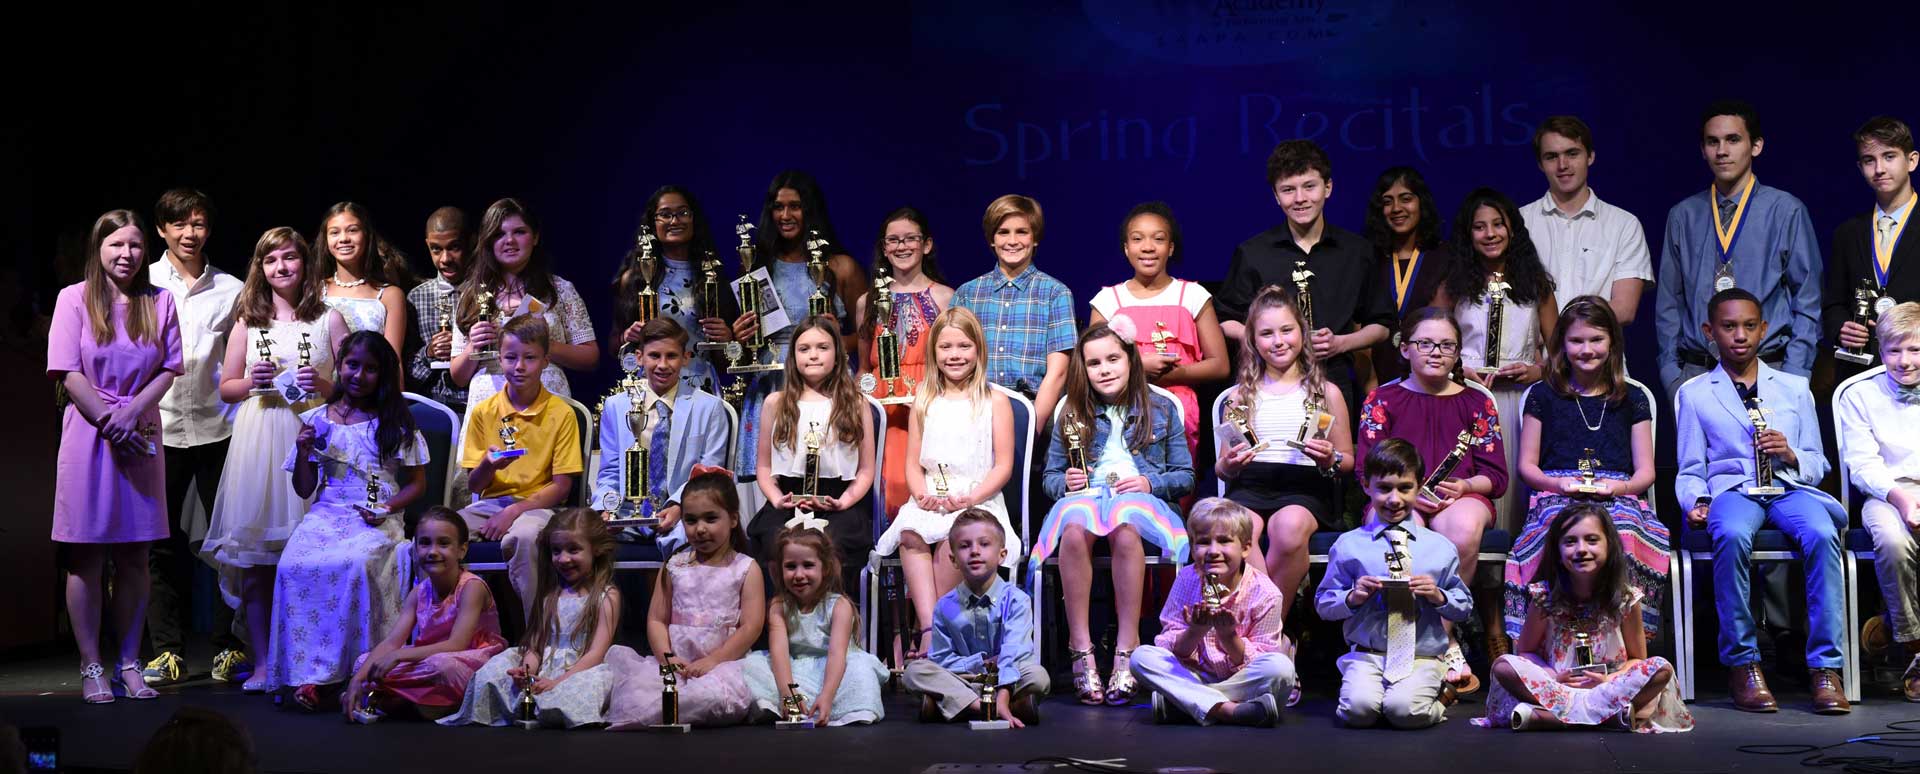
192,413
1590,250
1879,434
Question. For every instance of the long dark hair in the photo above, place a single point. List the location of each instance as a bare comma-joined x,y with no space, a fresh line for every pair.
1426,233
719,485
381,263
929,264
626,286
1594,311
396,428
1467,276
254,308
1079,397
486,272
813,208
1610,588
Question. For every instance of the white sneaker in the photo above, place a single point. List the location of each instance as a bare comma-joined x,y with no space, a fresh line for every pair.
1524,718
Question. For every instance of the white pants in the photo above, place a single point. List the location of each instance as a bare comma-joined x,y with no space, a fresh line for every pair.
1366,696
1160,670
519,548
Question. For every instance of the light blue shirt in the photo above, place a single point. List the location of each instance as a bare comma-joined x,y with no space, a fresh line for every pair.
966,627
1363,552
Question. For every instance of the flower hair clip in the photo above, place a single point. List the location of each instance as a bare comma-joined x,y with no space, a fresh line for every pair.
1123,326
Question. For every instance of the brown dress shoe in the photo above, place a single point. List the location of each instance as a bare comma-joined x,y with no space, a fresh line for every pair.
1749,689
1828,697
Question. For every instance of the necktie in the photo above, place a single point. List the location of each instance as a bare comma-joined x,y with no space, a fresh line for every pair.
1400,615
1885,226
1727,206
657,447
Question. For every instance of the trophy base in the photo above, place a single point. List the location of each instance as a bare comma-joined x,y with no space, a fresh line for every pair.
374,510
1587,489
1395,583
1427,492
1261,446
440,365
263,391
671,728
527,725
1597,670
792,725
366,717
710,346
484,356
1295,445
506,454
813,504
755,368
1858,358
897,400
1765,491
623,522
988,725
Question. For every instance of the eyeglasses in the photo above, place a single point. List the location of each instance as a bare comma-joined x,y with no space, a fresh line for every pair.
668,217
910,240
1427,346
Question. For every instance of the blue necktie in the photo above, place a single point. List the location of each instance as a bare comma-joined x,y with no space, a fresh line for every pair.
657,448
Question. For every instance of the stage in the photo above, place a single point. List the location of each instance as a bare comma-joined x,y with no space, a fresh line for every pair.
41,693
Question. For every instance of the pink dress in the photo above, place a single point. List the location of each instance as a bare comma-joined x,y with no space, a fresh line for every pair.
100,496
441,679
1586,706
1173,319
706,611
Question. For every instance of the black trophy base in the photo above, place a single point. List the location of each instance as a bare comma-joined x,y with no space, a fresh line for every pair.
507,454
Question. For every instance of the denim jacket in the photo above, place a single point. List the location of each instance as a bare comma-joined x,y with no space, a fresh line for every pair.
1165,461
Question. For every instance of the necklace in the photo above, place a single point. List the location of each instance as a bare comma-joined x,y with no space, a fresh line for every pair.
1580,403
335,279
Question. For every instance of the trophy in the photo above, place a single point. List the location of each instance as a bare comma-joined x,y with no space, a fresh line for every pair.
709,298
639,502
1213,595
1764,484
1076,444
306,350
264,348
1316,424
670,697
735,394
989,679
818,303
527,714
509,441
373,505
1303,298
1446,466
1867,301
1397,578
1160,337
793,710
445,326
1237,415
940,479
750,303
483,306
1497,288
649,300
810,497
1587,486
1583,656
897,389
365,712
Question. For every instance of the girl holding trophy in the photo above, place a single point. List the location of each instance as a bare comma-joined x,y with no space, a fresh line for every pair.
892,320
671,272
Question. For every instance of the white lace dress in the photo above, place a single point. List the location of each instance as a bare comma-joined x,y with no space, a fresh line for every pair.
959,434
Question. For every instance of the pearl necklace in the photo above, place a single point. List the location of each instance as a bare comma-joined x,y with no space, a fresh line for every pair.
335,279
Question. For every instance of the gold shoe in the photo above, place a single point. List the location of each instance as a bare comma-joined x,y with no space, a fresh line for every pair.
1086,677
1120,682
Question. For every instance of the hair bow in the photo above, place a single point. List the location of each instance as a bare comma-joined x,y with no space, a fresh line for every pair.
806,520
701,470
1123,326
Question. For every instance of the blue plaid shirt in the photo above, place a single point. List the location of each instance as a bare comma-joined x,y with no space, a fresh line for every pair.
1026,318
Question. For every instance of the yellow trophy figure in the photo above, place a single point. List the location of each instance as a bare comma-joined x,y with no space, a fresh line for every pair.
1213,595
483,310
527,714
1240,415
509,441
1588,484
750,303
887,387
1446,466
649,299
818,303
1317,421
709,297
1764,483
810,498
1303,296
445,325
670,697
1076,443
1868,303
793,710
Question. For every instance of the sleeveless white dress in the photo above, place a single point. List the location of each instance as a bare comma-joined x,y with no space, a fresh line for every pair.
959,434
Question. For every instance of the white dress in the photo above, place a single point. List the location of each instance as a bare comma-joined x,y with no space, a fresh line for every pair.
361,314
256,509
959,434
1519,341
493,697
341,580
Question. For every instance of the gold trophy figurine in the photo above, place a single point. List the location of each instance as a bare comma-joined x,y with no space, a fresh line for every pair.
1161,338
483,310
374,505
527,714
818,303
670,697
709,298
1583,656
1316,424
637,501
1867,302
750,303
1497,288
445,325
264,349
1764,484
1213,595
810,498
365,711
989,680
1587,485
793,710
888,386
509,441
649,300
1238,415
1303,297
1075,434
1446,466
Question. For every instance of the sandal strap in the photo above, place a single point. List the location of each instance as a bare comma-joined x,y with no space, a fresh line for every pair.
93,671
1076,655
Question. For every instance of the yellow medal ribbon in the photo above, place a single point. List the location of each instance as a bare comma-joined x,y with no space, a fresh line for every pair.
1883,251
1402,281
1729,231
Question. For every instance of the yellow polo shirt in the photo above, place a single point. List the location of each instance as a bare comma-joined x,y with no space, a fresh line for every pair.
548,431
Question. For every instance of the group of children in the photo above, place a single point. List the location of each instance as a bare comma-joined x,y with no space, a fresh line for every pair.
1512,411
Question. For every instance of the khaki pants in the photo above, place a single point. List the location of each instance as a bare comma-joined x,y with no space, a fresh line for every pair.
956,695
1894,557
519,548
1366,696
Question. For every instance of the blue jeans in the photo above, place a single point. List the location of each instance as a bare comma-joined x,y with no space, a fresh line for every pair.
1732,521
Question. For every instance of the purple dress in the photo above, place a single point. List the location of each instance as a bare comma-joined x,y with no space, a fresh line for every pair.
100,496
706,611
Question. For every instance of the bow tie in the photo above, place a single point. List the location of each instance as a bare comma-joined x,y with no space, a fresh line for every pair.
980,601
1907,395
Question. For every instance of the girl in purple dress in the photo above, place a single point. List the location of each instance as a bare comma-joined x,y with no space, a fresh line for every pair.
115,347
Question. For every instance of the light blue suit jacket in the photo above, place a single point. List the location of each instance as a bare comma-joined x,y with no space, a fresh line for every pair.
1716,438
697,434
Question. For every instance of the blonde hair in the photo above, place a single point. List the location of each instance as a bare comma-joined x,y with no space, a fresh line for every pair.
1899,323
1223,513
1253,366
936,382
143,317
1008,206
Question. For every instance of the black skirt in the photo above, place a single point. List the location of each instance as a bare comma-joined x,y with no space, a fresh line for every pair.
1266,487
851,530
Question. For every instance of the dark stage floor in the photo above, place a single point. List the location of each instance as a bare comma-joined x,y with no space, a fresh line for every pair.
40,693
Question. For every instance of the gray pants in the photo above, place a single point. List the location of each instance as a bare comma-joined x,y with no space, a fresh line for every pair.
518,548
1366,696
1160,670
1894,555
956,695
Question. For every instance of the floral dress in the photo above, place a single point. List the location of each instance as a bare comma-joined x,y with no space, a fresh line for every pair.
1586,706
580,700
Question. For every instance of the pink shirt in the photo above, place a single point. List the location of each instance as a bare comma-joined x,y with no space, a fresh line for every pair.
1256,609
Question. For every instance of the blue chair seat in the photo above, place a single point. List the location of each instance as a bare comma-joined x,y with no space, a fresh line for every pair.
1859,540
484,552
